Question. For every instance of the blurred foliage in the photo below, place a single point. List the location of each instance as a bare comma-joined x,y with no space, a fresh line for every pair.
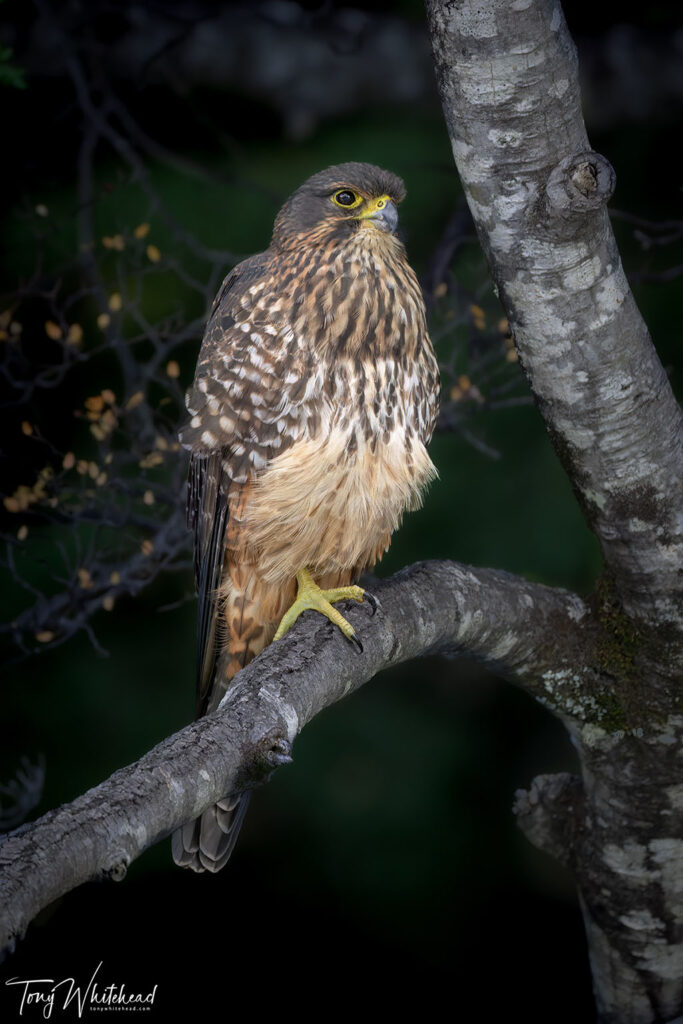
10,74
387,850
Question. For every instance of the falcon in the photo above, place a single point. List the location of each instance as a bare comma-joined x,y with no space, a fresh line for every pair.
314,400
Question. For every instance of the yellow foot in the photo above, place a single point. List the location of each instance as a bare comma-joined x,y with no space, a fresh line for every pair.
310,596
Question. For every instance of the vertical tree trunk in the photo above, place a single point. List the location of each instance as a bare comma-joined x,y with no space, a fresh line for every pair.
508,78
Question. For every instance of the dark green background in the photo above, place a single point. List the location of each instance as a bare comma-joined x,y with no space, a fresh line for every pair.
382,870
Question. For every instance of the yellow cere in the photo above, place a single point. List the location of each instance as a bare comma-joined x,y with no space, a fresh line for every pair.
373,205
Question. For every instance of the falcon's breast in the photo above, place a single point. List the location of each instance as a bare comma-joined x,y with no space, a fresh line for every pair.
318,383
357,459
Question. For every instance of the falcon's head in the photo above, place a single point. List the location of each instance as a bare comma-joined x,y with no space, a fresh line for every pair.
339,201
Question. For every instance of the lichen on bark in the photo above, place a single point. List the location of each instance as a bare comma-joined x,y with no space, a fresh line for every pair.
508,79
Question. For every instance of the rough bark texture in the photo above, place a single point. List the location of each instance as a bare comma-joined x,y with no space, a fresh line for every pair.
508,79
521,629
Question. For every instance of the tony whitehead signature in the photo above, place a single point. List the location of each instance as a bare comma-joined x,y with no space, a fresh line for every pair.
43,994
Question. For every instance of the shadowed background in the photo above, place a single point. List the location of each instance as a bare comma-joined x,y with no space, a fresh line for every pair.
382,869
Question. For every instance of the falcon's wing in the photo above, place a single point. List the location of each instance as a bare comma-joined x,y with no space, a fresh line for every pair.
247,405
207,497
207,517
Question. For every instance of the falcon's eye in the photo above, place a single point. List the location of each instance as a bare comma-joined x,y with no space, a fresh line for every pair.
346,198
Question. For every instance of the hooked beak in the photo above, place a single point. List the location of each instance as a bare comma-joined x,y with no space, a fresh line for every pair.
386,217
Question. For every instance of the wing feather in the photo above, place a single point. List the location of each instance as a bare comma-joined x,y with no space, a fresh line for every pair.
247,405
207,511
208,491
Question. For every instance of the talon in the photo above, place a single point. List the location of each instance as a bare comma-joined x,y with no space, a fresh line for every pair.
310,596
373,601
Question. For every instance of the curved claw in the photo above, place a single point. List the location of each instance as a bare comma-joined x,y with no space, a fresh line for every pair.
373,601
354,639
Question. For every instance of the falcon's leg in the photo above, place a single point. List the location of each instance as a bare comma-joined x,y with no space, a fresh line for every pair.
310,596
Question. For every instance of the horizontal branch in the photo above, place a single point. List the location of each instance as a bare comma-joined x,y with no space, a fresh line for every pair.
525,631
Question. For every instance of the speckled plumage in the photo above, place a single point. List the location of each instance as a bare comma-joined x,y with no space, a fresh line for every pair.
315,397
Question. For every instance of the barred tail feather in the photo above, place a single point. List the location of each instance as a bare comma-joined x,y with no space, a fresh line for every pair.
206,843
250,611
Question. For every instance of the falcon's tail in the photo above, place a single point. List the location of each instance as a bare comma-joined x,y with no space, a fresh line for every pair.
250,611
206,843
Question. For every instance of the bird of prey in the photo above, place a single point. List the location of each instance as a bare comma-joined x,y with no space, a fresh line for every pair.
315,396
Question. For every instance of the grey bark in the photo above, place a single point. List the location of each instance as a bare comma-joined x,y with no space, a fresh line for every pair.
523,630
508,80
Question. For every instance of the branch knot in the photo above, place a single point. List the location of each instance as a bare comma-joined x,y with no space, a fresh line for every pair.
549,814
271,751
580,183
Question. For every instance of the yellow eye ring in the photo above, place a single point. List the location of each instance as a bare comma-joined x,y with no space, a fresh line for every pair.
346,198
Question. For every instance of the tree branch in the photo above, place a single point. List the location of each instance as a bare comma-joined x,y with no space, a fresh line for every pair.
537,192
550,814
509,86
518,628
